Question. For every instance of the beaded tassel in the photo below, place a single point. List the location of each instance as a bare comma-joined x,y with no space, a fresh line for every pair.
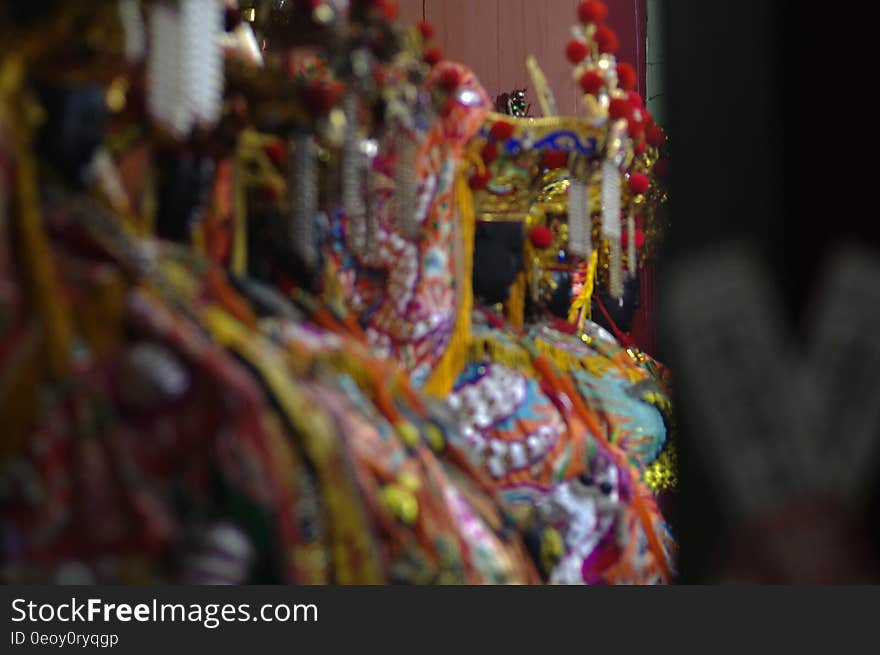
580,239
303,189
201,28
611,227
185,66
352,179
371,213
631,244
135,32
166,94
406,187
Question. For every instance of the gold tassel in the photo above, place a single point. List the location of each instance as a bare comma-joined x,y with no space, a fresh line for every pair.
249,152
455,358
581,308
515,307
36,253
238,262
197,238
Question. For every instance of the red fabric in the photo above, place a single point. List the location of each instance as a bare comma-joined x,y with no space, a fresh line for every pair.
622,337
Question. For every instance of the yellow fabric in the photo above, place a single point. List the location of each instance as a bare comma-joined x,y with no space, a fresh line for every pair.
355,561
238,262
455,358
581,308
515,308
33,244
249,151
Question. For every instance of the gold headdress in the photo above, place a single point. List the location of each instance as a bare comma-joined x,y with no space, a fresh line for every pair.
582,184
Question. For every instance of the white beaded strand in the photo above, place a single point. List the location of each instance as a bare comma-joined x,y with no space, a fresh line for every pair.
611,227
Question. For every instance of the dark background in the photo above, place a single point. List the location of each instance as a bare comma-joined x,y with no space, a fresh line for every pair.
771,112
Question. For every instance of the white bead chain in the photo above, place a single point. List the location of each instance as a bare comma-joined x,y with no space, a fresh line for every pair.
185,65
611,227
580,238
303,189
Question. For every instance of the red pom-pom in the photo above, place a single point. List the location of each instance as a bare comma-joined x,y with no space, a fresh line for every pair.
626,76
489,153
541,237
450,78
389,9
619,108
640,238
276,152
479,181
640,148
501,130
636,123
592,82
655,136
639,183
592,11
635,100
576,51
320,98
433,56
606,39
554,159
661,168
427,30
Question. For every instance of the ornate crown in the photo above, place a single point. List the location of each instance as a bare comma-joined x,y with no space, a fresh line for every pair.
586,186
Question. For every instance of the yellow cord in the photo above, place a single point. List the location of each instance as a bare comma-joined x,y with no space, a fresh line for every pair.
455,358
581,308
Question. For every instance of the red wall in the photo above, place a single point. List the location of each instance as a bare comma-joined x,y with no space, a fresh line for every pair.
494,38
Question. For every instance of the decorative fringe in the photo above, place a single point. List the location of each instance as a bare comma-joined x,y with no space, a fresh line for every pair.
406,186
631,244
581,309
33,248
611,227
238,260
185,65
511,355
135,31
199,240
249,154
615,268
515,307
202,28
450,366
580,225
372,225
166,99
353,179
303,198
